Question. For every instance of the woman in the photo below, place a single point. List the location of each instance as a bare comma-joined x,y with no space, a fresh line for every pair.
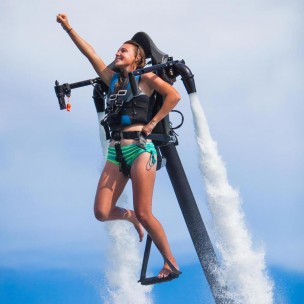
129,57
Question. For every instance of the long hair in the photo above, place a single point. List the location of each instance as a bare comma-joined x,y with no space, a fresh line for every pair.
140,60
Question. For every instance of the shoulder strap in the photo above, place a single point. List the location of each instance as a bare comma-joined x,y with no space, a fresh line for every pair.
115,78
113,82
124,86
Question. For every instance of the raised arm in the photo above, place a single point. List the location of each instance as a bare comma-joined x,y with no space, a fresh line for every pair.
86,49
171,96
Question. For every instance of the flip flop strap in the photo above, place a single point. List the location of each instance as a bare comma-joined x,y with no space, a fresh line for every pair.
172,267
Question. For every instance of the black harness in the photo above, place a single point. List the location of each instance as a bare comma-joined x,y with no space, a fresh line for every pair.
124,109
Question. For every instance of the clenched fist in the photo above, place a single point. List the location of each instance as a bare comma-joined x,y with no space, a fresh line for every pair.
63,20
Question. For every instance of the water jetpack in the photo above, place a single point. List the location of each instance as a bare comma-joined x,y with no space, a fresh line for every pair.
165,140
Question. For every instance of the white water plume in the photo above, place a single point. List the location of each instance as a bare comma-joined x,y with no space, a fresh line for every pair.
242,268
123,259
123,266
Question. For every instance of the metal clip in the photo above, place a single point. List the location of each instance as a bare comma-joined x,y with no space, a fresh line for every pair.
142,141
120,93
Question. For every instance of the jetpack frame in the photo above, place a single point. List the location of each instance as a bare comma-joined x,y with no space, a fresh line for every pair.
167,69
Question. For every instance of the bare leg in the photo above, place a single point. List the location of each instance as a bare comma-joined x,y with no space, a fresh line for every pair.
110,186
143,179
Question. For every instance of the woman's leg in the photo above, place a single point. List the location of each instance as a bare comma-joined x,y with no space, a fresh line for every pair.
143,179
110,186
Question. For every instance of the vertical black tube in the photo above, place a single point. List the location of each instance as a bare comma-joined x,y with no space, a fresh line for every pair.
193,219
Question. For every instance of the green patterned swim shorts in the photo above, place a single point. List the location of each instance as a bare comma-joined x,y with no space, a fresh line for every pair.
130,153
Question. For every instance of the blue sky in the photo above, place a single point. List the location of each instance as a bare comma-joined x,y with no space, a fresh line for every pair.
248,66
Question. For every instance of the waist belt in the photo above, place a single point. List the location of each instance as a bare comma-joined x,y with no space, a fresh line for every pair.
117,135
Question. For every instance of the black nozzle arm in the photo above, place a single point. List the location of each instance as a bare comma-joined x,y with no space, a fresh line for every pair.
179,68
156,67
178,65
65,89
187,77
84,83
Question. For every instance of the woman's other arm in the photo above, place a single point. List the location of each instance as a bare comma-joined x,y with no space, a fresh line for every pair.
170,94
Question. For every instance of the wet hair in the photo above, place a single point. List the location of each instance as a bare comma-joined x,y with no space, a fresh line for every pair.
141,62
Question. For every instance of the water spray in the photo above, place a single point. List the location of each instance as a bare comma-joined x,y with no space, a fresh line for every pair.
242,269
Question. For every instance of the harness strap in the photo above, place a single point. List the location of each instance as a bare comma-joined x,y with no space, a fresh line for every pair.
116,105
138,134
103,122
123,166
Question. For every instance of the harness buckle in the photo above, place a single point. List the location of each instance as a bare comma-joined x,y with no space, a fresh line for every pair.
120,93
116,136
116,101
142,140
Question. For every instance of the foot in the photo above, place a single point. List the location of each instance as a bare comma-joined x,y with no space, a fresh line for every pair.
137,225
140,230
166,270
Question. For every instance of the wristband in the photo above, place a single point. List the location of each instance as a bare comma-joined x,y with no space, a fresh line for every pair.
69,30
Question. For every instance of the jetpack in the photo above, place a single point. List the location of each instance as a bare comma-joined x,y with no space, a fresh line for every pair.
165,141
